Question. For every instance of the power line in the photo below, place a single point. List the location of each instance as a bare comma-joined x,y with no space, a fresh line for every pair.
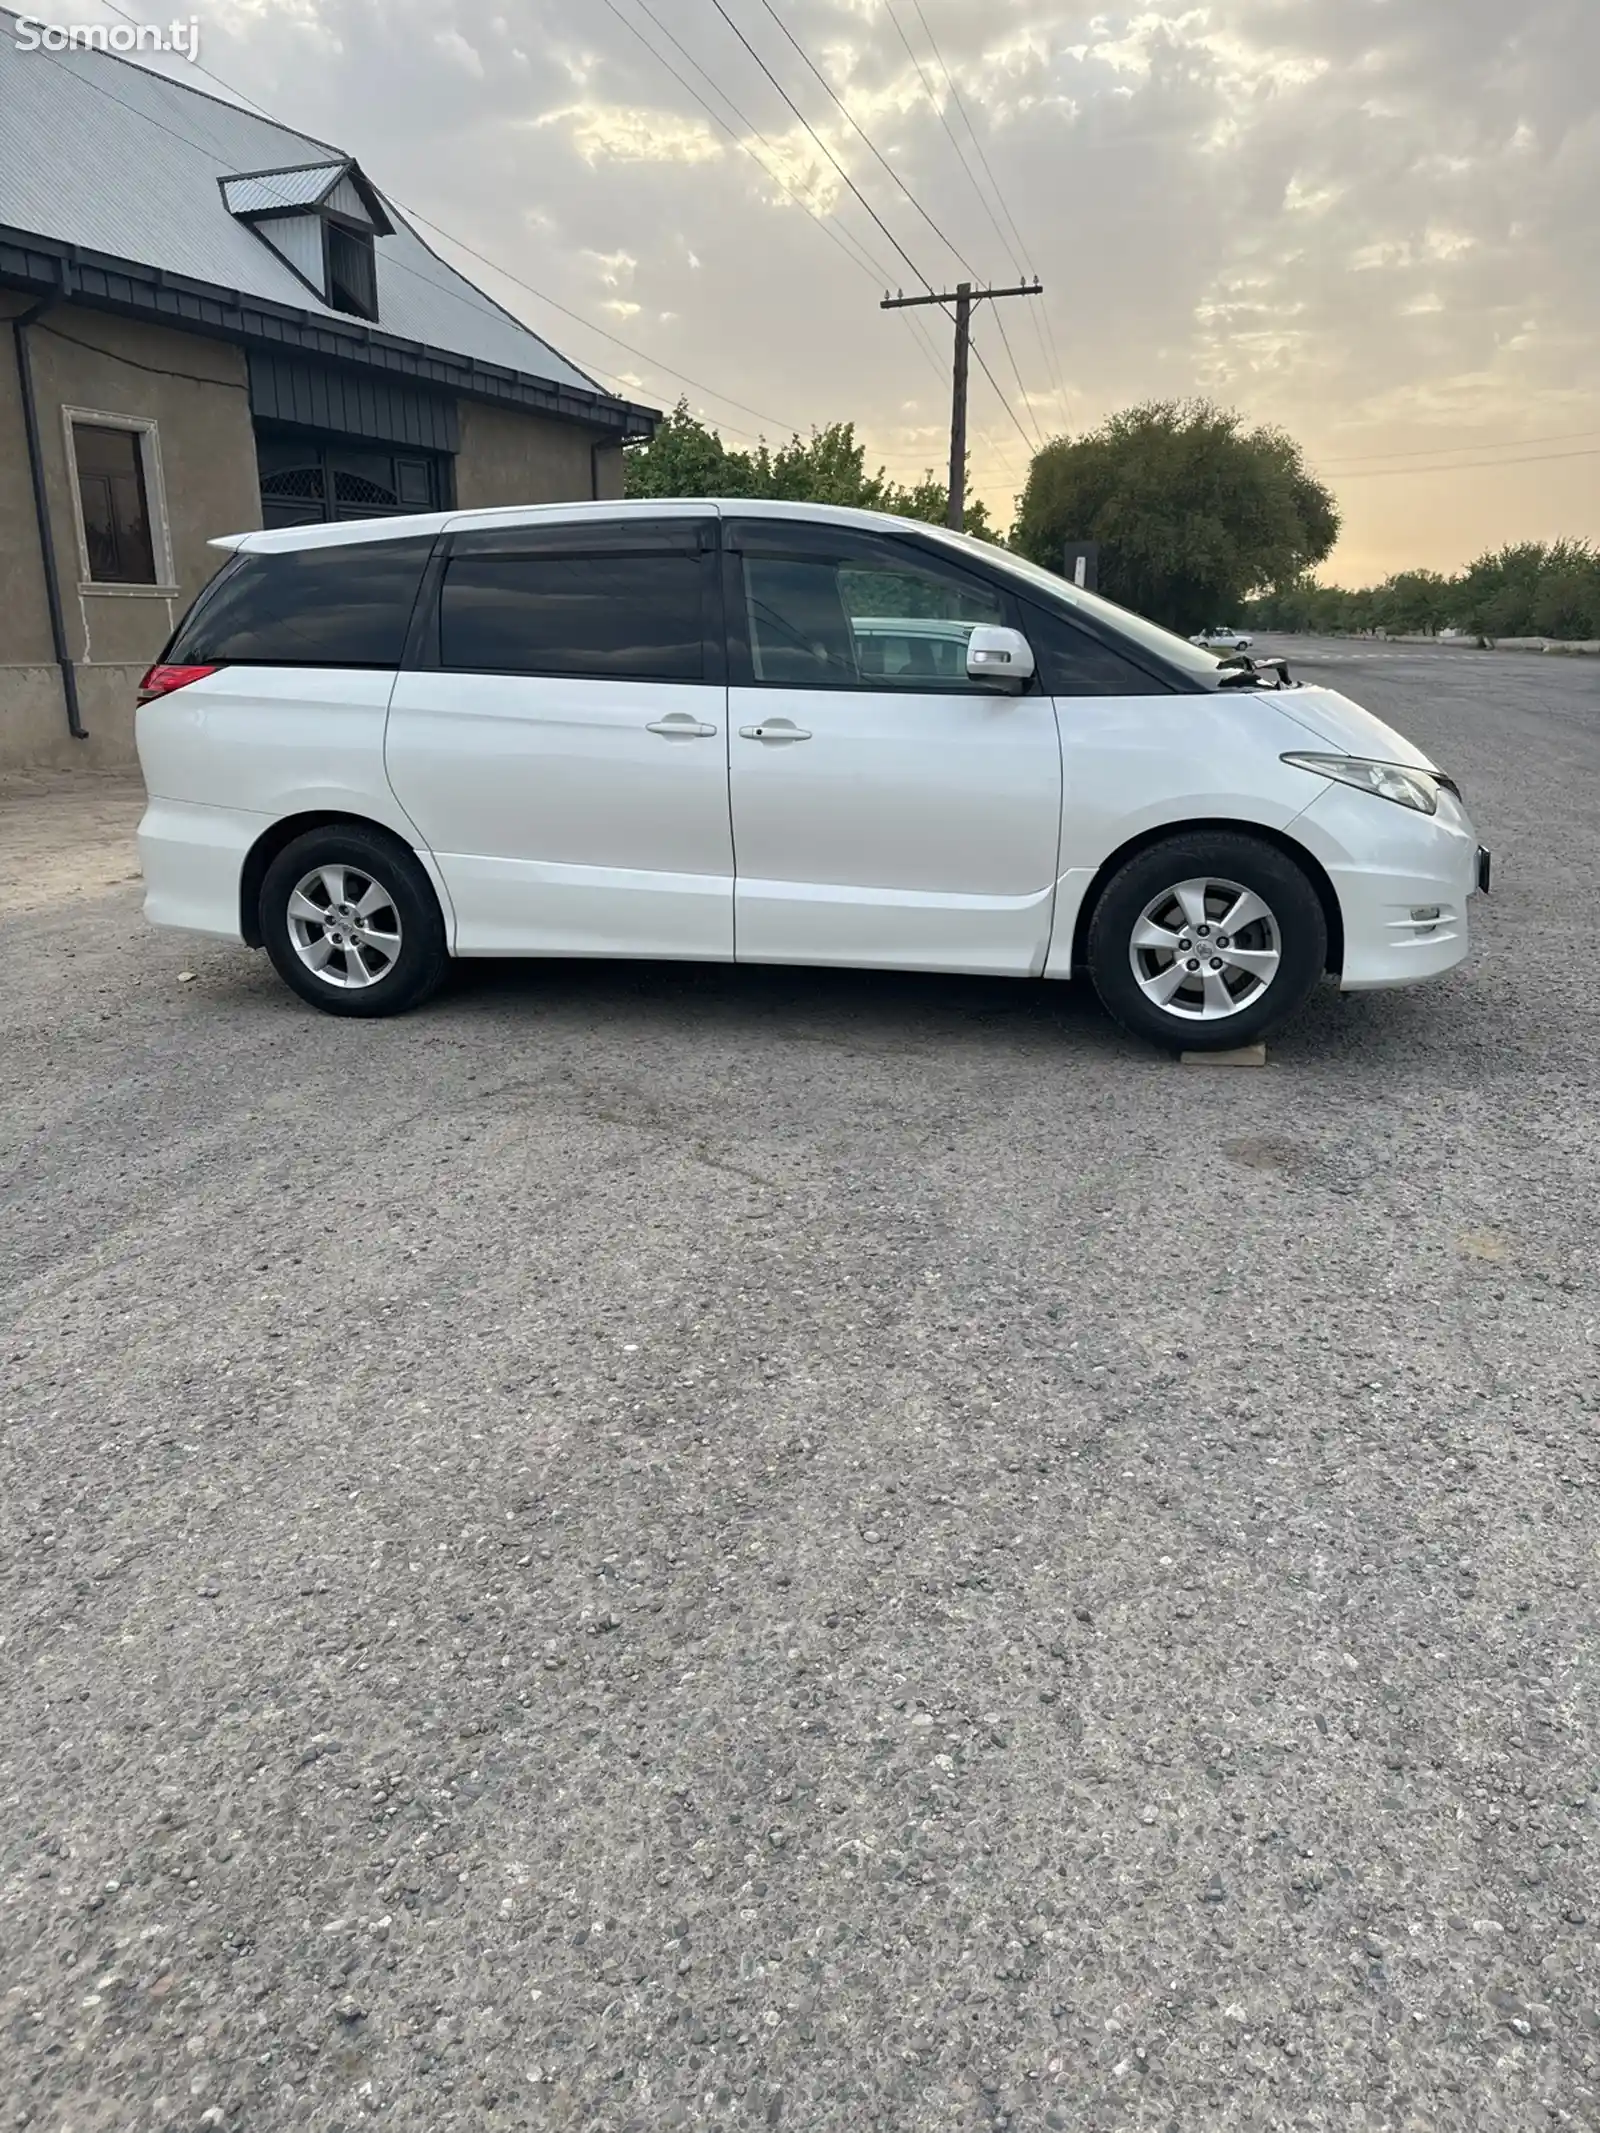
894,176
872,266
1017,261
894,241
1466,466
1038,433
1000,396
1508,444
487,306
644,356
1038,436
938,110
488,309
1041,317
836,236
946,240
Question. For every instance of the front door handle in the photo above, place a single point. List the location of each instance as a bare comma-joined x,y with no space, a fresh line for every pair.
775,729
678,726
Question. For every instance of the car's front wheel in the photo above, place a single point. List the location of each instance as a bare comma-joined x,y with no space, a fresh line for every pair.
351,922
1207,941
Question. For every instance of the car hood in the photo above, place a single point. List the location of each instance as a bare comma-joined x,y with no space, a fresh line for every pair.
1345,726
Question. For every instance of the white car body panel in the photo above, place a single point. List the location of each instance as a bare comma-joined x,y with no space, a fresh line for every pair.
1137,764
562,823
1347,728
909,832
1386,869
227,757
192,857
275,741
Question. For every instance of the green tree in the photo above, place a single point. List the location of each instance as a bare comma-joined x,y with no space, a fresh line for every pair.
1499,591
683,458
1568,602
1193,512
1414,602
687,458
1534,589
1527,589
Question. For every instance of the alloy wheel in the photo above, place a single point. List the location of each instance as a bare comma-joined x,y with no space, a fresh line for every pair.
1205,949
344,926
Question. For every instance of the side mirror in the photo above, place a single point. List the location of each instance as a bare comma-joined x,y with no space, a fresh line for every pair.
1000,656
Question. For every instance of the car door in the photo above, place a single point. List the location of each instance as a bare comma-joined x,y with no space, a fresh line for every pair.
888,811
559,738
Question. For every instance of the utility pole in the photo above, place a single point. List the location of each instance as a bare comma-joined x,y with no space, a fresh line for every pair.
963,296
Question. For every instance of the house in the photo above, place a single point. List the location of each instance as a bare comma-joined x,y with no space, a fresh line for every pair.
215,323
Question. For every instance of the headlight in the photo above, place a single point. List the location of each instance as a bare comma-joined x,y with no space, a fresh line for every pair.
1407,788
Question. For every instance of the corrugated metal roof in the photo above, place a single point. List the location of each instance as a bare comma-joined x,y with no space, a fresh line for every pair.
280,188
99,152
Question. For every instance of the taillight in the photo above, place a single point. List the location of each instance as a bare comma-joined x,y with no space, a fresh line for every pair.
161,681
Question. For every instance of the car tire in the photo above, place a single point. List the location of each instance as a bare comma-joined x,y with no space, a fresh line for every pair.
1167,967
351,922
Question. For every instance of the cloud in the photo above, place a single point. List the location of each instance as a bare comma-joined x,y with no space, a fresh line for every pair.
624,133
455,48
1369,220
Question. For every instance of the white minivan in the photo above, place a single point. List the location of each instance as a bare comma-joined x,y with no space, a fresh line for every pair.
770,733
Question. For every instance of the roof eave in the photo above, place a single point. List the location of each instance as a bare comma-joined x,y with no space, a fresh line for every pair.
47,265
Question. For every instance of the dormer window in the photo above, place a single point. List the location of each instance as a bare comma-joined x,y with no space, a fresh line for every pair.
321,219
352,269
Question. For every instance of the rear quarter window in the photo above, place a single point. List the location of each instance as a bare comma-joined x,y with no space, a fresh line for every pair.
339,606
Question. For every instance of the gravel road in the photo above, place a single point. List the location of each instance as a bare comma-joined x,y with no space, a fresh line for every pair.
651,1548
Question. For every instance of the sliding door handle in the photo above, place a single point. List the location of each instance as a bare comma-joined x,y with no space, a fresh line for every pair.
679,726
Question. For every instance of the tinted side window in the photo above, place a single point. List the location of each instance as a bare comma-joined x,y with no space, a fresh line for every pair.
307,607
617,618
1072,663
861,621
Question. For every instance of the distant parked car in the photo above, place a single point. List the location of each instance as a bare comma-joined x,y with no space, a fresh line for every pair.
1223,637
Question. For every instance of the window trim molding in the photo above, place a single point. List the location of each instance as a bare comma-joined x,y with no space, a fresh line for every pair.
147,429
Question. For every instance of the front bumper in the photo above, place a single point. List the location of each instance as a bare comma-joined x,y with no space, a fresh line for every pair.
1404,881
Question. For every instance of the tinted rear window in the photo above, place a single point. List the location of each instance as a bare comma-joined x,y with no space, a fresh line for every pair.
319,607
615,618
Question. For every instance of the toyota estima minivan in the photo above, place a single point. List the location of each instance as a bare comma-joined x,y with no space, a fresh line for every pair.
770,733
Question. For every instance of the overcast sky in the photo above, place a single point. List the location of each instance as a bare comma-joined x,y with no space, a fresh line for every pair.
1372,221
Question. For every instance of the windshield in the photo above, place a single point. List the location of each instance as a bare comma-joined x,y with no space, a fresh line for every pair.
1177,652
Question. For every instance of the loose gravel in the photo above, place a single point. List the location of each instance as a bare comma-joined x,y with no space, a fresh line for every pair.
651,1548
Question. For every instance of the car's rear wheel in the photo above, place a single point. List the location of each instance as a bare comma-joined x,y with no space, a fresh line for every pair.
351,922
1207,941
